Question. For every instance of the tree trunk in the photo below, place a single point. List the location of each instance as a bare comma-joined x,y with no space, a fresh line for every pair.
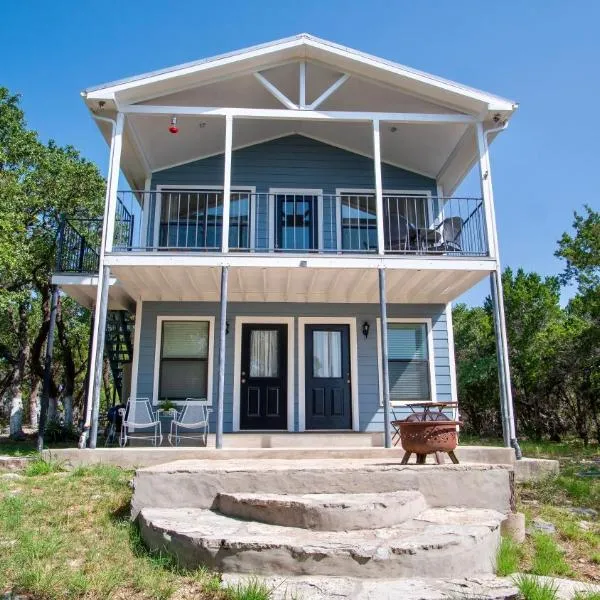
16,388
34,403
68,410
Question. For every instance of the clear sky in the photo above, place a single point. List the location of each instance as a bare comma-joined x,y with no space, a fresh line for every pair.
543,53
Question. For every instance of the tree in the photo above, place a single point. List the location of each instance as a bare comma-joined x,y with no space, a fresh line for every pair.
40,184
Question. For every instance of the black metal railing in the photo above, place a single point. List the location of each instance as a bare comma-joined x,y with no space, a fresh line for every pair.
301,223
78,245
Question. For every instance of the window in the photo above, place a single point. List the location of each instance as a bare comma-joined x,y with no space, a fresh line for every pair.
184,354
194,219
296,222
413,207
327,354
358,222
408,362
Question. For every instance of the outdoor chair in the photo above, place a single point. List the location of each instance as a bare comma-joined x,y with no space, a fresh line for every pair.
450,229
140,422
399,233
191,423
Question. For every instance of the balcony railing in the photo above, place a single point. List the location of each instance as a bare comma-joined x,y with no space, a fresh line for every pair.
192,220
181,220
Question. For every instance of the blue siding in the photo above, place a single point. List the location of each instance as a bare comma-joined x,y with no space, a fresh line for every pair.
371,414
293,161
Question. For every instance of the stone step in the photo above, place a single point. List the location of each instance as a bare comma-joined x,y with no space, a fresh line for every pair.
196,483
486,587
325,512
437,543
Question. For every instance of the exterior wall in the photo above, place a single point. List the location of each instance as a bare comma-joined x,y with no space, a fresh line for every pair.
293,161
371,413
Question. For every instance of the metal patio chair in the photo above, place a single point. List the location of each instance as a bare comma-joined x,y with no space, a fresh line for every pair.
191,423
140,422
450,229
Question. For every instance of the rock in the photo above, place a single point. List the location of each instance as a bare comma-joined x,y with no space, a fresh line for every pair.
514,527
351,588
544,526
584,512
11,476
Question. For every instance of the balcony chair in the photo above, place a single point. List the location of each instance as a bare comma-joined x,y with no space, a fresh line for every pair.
399,234
450,229
138,415
191,423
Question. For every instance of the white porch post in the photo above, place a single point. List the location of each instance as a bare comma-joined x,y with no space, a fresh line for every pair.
497,294
135,359
378,186
97,353
227,182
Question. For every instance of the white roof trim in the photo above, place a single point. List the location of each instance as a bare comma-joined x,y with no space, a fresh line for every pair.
110,89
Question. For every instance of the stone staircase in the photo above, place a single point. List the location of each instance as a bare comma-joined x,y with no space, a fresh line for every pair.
372,519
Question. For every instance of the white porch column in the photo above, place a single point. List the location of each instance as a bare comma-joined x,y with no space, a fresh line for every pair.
99,324
378,186
497,294
222,343
387,424
227,182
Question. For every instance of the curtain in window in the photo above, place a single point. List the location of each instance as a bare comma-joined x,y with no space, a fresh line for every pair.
184,360
408,361
327,354
264,355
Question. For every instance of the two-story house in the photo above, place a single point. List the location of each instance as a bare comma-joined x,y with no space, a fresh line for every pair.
291,241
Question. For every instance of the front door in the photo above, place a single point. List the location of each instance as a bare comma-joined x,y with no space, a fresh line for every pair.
263,377
327,378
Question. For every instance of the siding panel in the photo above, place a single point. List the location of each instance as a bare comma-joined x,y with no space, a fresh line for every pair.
370,411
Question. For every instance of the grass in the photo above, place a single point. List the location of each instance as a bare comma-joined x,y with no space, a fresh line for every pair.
508,558
67,535
548,558
533,589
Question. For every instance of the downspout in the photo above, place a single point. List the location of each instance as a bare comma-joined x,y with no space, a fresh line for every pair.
501,316
89,403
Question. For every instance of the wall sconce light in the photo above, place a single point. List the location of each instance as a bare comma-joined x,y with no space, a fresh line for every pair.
365,329
226,327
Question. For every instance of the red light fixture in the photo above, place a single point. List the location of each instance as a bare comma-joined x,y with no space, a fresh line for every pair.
173,127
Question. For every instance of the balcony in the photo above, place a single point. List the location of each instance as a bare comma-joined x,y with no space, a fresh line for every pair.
179,220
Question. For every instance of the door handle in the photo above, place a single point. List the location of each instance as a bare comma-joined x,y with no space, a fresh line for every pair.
243,380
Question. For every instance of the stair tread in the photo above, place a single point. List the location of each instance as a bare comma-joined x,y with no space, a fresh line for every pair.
433,528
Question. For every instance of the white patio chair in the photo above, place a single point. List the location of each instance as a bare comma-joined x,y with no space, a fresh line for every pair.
191,423
140,422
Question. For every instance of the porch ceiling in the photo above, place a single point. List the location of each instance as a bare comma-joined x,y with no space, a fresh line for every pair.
442,151
272,284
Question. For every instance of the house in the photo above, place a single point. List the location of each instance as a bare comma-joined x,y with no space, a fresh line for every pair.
335,174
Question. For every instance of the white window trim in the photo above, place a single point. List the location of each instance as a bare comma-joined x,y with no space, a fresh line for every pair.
197,187
430,359
211,340
351,321
237,365
299,191
364,191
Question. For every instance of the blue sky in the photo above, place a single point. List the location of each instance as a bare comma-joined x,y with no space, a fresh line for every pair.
543,53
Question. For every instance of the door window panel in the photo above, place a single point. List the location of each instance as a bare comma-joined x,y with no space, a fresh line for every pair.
264,353
327,354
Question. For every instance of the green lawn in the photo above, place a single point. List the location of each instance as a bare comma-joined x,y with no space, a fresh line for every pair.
68,535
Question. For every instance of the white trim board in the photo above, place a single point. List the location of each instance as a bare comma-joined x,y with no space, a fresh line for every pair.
211,342
237,365
430,351
300,192
353,343
198,187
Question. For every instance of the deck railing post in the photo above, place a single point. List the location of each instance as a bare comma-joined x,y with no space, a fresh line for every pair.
227,183
222,334
384,359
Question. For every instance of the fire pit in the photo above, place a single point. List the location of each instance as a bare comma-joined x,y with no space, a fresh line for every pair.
428,432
